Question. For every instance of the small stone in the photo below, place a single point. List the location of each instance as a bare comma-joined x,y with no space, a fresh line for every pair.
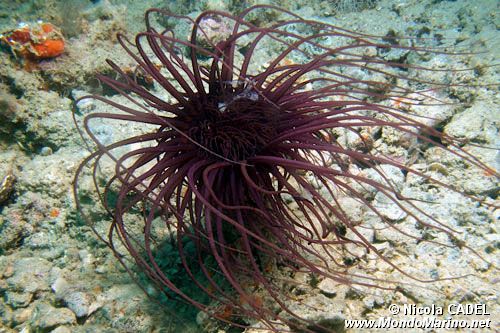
46,316
373,300
201,318
6,315
319,310
261,327
22,315
84,105
369,303
388,207
18,300
30,275
381,174
79,302
12,231
61,329
86,258
46,151
328,287
60,286
8,270
475,123
396,55
7,183
331,288
39,240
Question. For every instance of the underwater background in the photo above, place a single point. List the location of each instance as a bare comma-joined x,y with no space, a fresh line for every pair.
56,276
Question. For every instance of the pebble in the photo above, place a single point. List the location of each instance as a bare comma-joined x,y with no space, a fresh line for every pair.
329,288
388,208
17,299
46,151
30,275
45,316
22,315
79,302
61,329
321,310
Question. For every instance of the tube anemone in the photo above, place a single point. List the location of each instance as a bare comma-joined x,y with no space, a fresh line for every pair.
240,157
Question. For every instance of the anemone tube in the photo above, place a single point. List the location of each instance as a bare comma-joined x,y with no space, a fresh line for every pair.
242,155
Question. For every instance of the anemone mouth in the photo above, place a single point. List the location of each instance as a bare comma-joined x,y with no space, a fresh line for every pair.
244,161
236,130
